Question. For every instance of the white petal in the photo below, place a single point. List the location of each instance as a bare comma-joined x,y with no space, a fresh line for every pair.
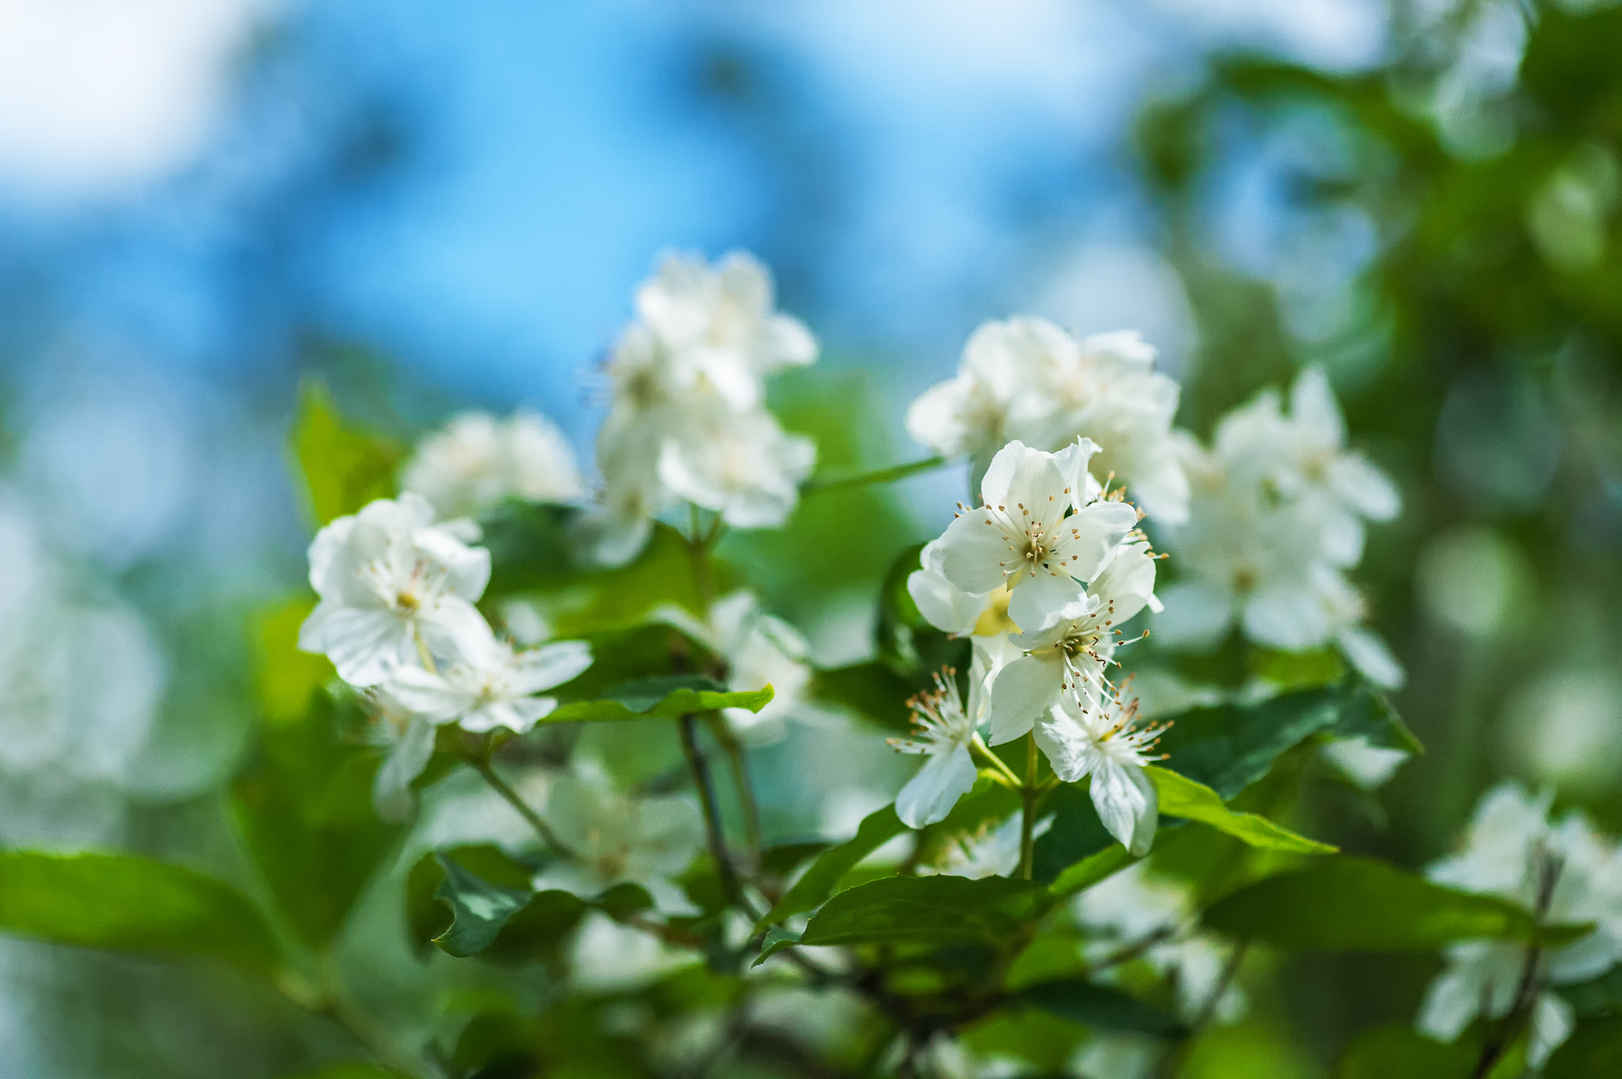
973,548
1127,805
1363,487
1039,600
1085,538
428,695
1196,614
550,665
364,644
1369,655
789,342
1453,999
1127,581
1287,616
1312,404
944,606
997,486
1552,1023
455,629
1073,461
391,790
935,417
930,795
1067,745
1023,690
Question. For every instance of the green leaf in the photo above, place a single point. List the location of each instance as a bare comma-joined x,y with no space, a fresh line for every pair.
668,697
123,902
871,690
303,806
1091,869
342,467
1358,904
285,678
1100,1007
824,874
348,1070
930,910
1228,747
1183,797
1398,1051
508,920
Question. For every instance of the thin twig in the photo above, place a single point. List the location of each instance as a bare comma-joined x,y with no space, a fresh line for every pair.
1027,817
730,883
1526,989
1229,971
1130,951
739,765
512,797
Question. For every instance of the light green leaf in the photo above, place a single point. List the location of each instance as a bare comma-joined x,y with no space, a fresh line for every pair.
342,467
1183,797
1358,904
123,902
669,697
1091,869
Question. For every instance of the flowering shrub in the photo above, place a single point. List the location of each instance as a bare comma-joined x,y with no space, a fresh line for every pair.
1118,663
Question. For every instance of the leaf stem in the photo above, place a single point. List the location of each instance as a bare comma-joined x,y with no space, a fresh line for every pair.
483,766
730,884
880,475
1027,818
738,761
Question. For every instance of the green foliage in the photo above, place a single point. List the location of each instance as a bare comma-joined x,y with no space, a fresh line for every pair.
819,881
668,697
342,467
1592,1050
127,903
1183,797
930,910
1099,1007
1358,904
1398,1051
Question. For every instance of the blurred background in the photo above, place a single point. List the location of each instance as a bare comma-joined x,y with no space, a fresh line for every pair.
203,202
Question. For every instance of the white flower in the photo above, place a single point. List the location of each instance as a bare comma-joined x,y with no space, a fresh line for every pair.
615,838
391,581
1030,380
411,746
1512,850
744,467
487,684
477,460
993,853
721,323
942,731
1021,537
1100,737
760,650
1071,653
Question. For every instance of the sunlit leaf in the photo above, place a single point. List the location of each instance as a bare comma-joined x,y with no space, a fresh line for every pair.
1182,797
342,467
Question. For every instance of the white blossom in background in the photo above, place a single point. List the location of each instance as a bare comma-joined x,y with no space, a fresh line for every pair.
476,460
994,852
760,649
618,838
1098,736
1275,520
1135,905
1512,849
391,581
687,420
1030,380
487,685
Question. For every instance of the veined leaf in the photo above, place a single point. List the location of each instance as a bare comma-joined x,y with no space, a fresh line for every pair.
823,876
926,909
669,697
1183,797
1358,904
123,902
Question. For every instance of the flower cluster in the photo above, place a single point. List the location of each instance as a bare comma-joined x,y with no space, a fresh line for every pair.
1275,522
1565,872
687,420
1040,577
397,618
477,460
1030,380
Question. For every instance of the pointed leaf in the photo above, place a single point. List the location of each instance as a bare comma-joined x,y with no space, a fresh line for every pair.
1183,797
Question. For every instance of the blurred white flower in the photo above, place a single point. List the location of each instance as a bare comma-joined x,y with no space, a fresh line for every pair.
760,649
722,323
744,467
1071,654
607,957
1135,905
1099,736
476,460
488,684
391,581
1575,876
1024,535
616,838
1028,379
943,728
992,853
